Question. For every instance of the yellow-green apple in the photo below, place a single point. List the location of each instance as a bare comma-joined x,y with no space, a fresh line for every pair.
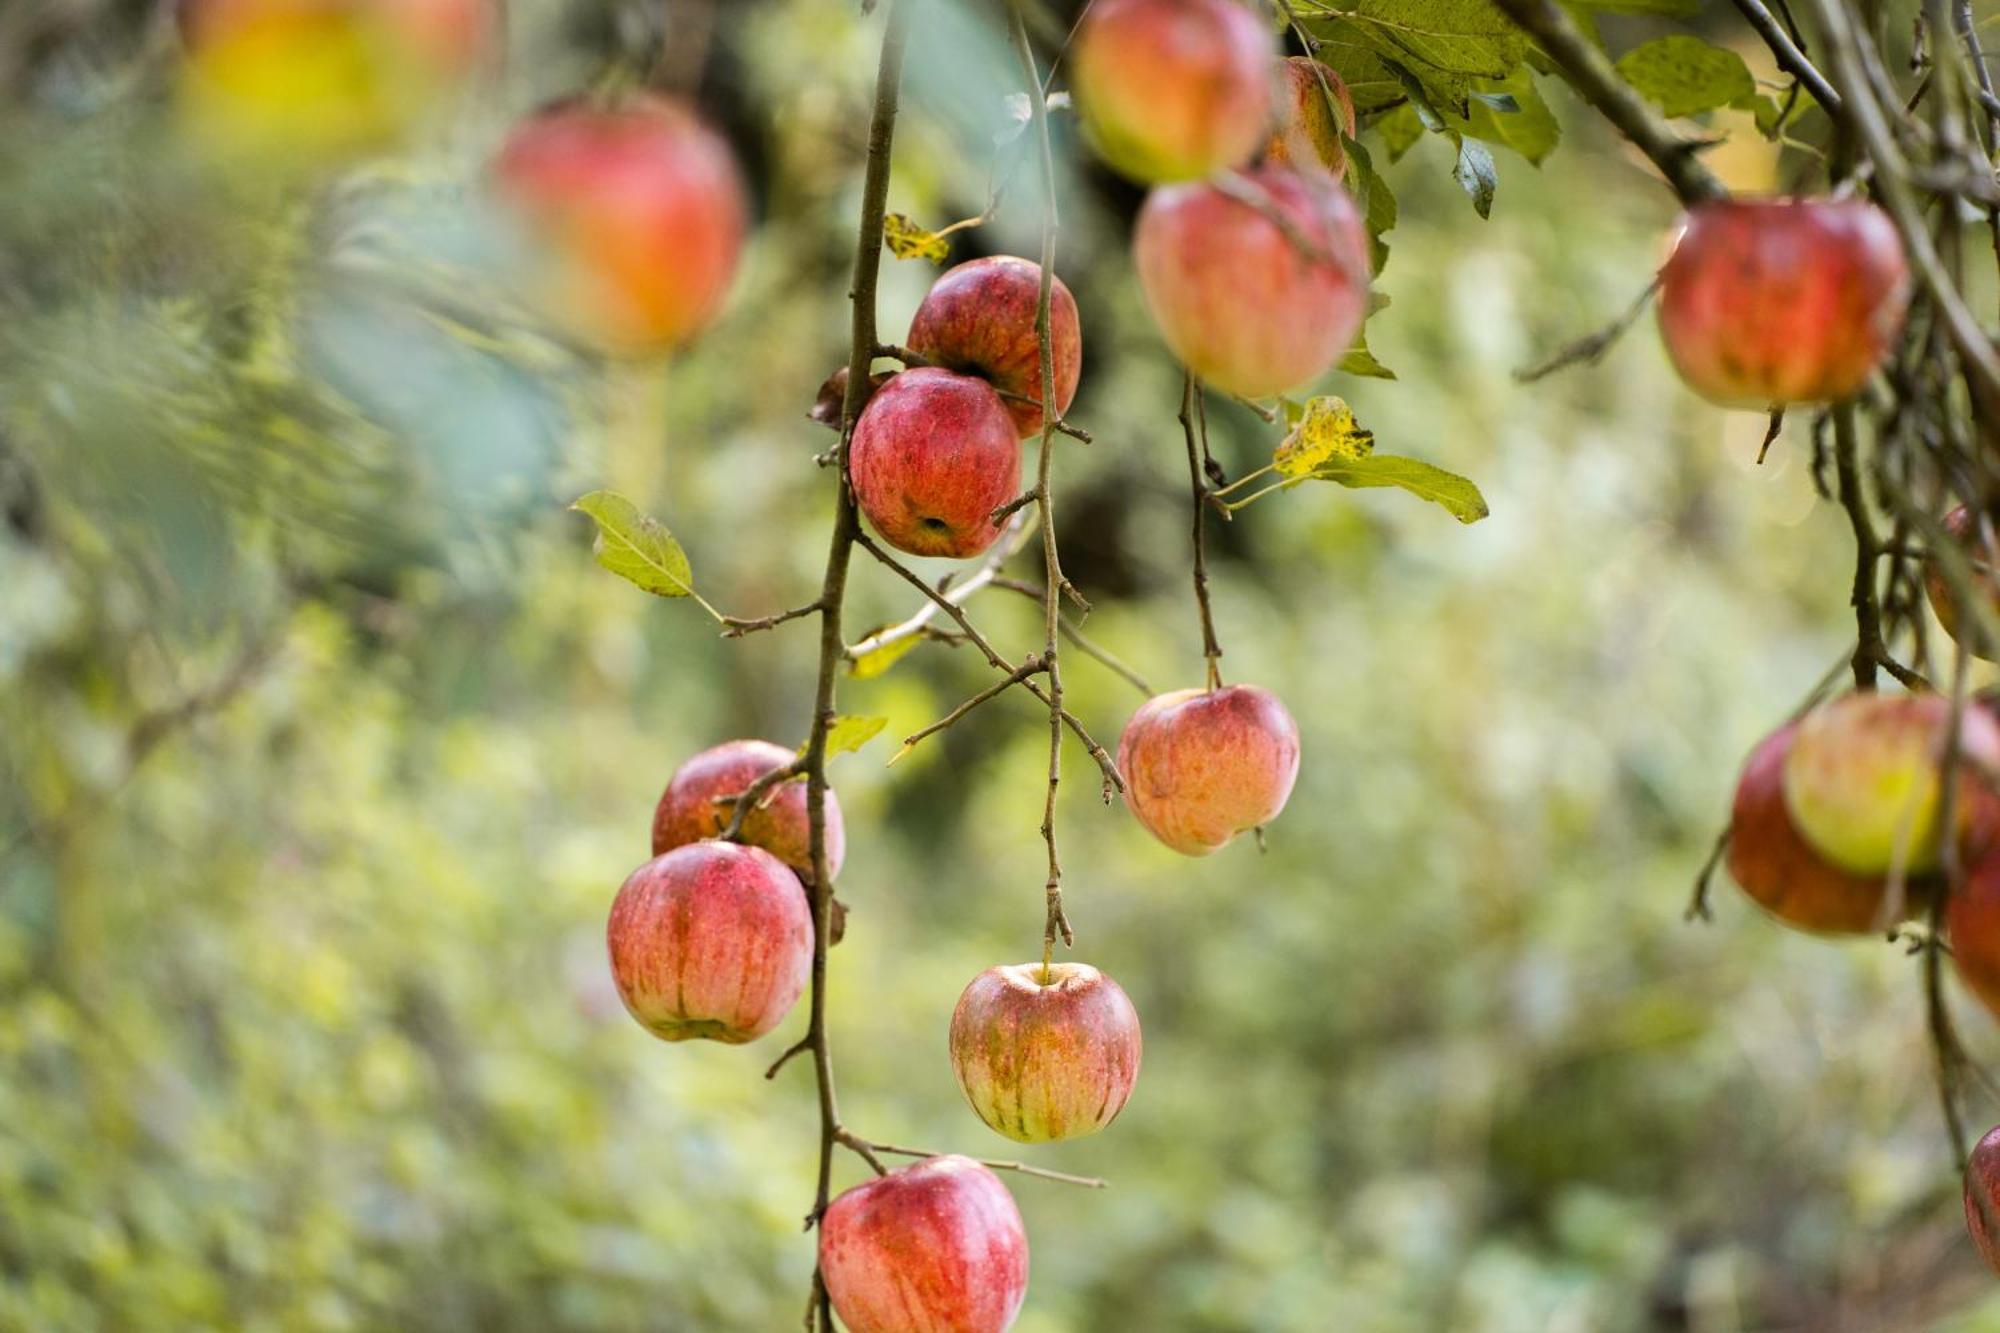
1862,780
1045,1053
1172,90
1202,766
1783,875
304,80
637,215
933,455
1982,1197
1308,134
1251,306
1962,529
698,803
1772,301
937,1247
979,319
711,940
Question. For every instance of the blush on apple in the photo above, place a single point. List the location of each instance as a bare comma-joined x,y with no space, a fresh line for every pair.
979,319
1972,925
1959,524
1250,306
1772,301
1308,136
1202,766
933,455
694,807
712,940
1045,1053
937,1246
638,214
1172,90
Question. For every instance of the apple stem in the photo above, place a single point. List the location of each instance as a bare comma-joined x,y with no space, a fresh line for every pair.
1193,418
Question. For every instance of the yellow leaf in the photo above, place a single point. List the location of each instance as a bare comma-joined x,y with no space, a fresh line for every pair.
849,733
1326,432
875,661
907,240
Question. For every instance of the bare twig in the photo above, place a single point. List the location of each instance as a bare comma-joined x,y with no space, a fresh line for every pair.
1012,539
1019,1168
1590,349
1033,666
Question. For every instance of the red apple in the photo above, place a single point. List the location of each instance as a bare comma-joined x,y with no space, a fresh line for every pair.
1045,1053
689,809
1772,301
1959,524
979,319
1972,925
1308,136
1246,306
1172,90
711,940
1982,1197
1776,868
1202,766
639,214
1861,781
933,455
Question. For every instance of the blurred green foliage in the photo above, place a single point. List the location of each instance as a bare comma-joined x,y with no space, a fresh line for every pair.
326,744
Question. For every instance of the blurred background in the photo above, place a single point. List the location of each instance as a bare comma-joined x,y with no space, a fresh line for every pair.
324,746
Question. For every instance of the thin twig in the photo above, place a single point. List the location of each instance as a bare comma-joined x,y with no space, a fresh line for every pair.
1211,650
1032,667
1020,1168
1590,349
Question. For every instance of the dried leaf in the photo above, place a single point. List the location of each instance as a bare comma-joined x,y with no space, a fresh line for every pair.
1326,430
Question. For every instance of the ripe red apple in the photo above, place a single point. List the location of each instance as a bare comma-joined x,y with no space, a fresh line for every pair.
1861,781
1244,305
1982,1197
979,319
933,455
1308,135
1172,90
1776,868
937,1247
711,940
1202,766
638,212
1772,301
309,79
1963,530
1045,1054
689,809
1972,925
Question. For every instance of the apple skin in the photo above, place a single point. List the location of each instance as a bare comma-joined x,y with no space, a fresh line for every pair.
712,940
1959,524
1238,302
933,455
979,319
1861,780
1982,1196
1972,925
1782,874
1308,136
937,1247
1171,90
638,214
1041,1061
1202,766
1771,301
688,810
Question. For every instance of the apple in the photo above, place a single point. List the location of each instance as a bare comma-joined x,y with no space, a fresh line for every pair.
1982,1197
711,940
1771,301
1172,90
1972,925
1779,871
1308,136
936,1247
1246,306
979,319
303,80
636,212
1045,1053
1959,524
1861,781
933,454
1202,766
690,809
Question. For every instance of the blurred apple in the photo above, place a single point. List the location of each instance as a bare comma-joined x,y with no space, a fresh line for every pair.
1959,525
1308,135
1982,1197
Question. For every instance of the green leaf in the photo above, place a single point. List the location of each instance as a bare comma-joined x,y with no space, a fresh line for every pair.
1455,493
1476,174
1530,129
1400,129
1672,9
850,733
1372,194
1444,43
1685,75
1369,82
1360,361
635,547
878,660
